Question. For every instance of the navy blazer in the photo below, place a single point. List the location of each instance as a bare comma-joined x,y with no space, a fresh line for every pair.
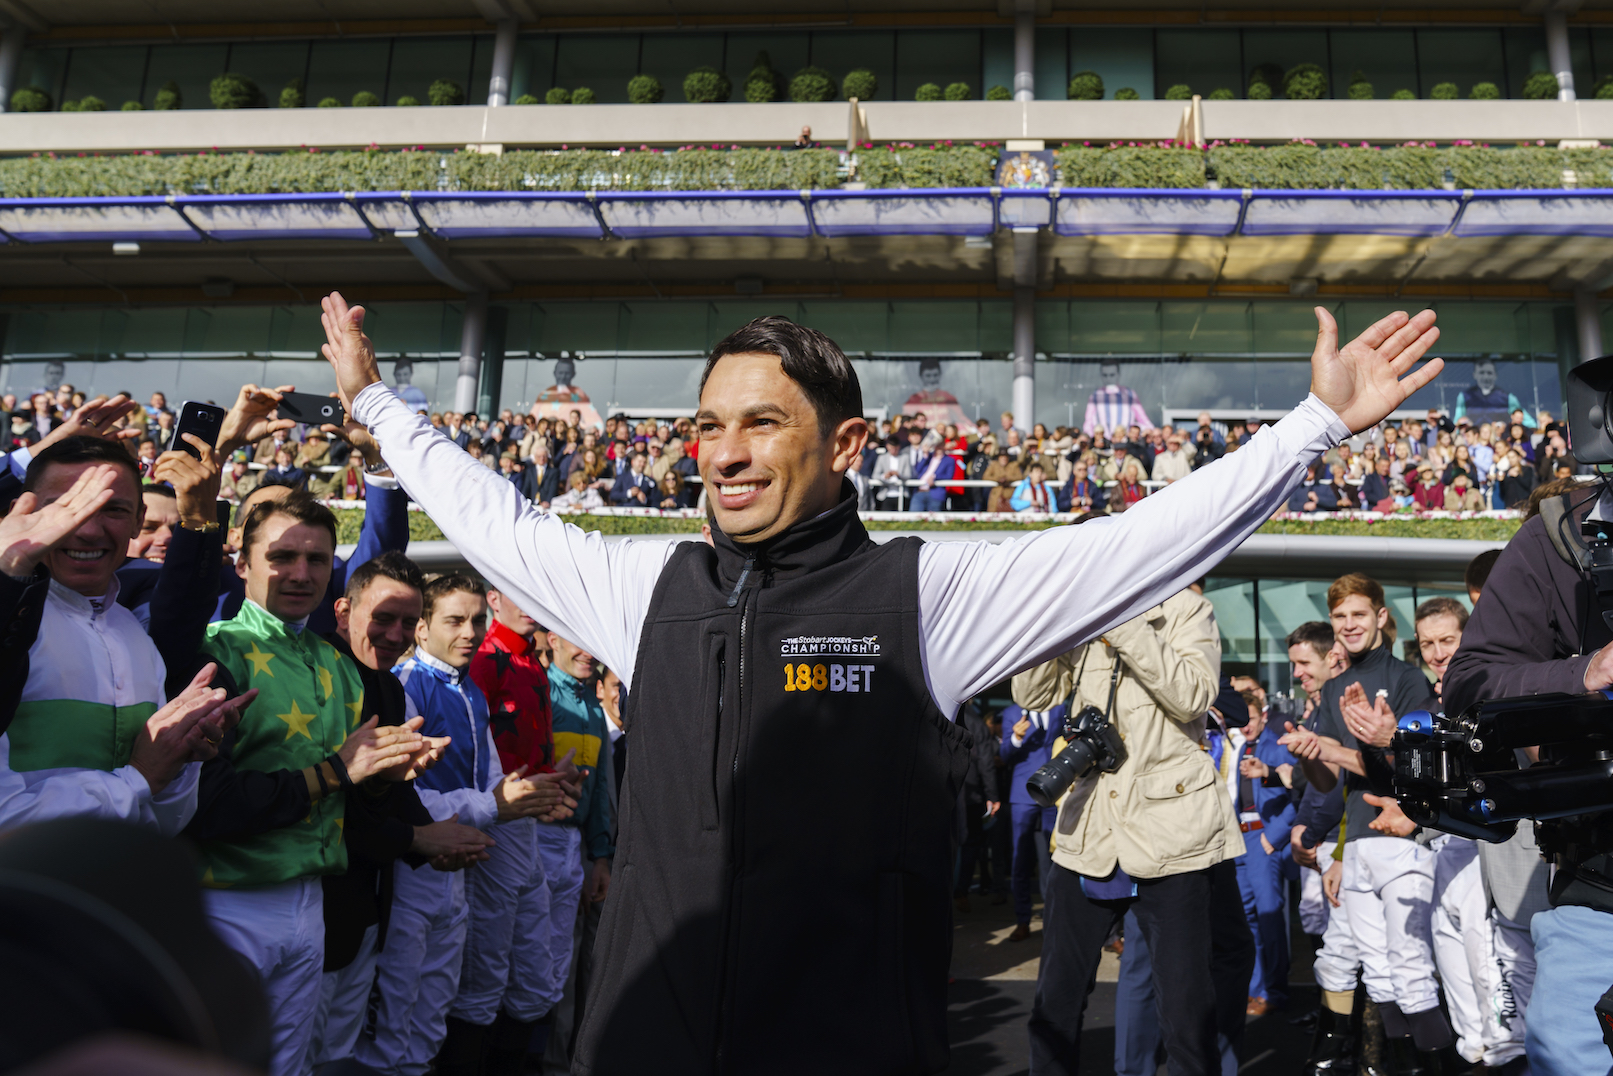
1273,801
628,481
1030,756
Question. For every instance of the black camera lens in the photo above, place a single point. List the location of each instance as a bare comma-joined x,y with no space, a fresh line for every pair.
1056,776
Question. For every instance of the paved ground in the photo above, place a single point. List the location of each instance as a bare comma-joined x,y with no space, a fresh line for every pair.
995,981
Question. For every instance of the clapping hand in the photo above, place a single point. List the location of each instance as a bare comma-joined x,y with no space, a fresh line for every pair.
1369,722
1301,743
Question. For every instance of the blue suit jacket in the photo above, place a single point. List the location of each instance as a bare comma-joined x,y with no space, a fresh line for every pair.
625,482
1031,755
1274,802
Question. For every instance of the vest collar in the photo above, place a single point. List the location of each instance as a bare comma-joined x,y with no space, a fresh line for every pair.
804,548
440,669
506,639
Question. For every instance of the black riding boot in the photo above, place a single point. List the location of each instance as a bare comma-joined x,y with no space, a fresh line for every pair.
1374,1044
1332,1047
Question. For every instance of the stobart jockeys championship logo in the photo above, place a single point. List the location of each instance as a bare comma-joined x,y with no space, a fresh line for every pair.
802,675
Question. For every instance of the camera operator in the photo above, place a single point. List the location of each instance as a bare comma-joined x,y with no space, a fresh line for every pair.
1145,838
1542,627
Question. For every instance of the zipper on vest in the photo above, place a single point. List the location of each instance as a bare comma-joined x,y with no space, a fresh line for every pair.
733,598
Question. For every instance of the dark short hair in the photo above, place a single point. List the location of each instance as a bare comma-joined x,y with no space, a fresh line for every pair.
1443,607
160,489
391,565
1316,634
300,505
1478,569
809,358
75,450
440,586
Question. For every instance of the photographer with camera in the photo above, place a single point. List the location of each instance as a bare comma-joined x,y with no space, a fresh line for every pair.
1545,625
1143,823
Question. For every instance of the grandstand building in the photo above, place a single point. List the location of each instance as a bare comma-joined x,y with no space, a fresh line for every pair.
992,205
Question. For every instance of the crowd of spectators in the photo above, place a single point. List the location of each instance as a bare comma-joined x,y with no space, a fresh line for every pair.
319,728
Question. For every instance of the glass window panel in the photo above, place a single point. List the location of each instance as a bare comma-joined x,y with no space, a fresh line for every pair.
1053,328
1234,604
937,326
44,69
574,327
1463,57
1601,54
996,328
1388,59
1204,60
670,57
841,51
856,327
1402,602
662,327
786,51
341,69
481,70
939,56
1283,606
1114,328
997,61
1052,63
418,62
724,318
533,72
952,389
1525,54
271,64
1283,330
1120,58
1214,328
1287,49
193,67
602,62
626,384
113,74
1579,51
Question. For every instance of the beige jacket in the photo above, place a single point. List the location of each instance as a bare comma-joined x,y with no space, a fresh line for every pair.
1164,811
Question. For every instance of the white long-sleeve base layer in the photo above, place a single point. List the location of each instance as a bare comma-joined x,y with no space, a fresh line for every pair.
986,610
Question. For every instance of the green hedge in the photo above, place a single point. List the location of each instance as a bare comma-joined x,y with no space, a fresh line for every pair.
422,529
1295,166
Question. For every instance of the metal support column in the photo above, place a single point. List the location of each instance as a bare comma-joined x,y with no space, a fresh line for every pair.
10,60
471,335
1024,357
1557,54
491,383
1025,52
1588,322
498,86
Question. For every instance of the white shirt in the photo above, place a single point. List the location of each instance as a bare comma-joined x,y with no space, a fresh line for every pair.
1063,582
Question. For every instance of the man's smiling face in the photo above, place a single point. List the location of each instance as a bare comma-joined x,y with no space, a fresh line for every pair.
86,560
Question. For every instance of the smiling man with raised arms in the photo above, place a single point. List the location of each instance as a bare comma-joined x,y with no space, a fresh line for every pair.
754,923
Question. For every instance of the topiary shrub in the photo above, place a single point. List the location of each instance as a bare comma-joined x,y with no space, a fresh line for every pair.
1126,93
1403,95
69,106
366,99
1222,94
445,91
645,90
1443,91
1085,86
860,84
582,95
132,106
1604,88
91,103
927,92
1540,86
1305,82
168,97
959,91
1179,92
524,99
706,85
762,84
1360,89
999,93
234,91
557,95
1267,75
1485,91
29,99
409,101
811,84
1259,91
329,102
292,96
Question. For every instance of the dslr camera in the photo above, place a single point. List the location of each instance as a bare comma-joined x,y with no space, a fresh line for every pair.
1091,742
1462,775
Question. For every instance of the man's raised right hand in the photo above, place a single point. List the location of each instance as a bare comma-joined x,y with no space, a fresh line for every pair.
349,351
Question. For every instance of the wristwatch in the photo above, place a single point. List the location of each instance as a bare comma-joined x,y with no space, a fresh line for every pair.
379,467
206,528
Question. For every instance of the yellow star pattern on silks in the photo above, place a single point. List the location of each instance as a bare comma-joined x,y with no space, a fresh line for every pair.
324,679
358,712
260,661
298,721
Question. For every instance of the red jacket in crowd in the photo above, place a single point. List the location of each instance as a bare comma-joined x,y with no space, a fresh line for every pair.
508,671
